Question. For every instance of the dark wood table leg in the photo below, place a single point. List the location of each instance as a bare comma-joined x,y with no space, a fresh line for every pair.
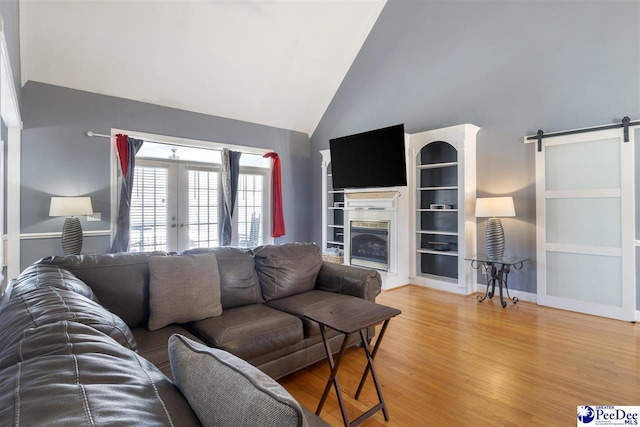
370,357
333,378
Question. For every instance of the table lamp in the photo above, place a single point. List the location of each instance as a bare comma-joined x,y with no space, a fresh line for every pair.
72,230
492,208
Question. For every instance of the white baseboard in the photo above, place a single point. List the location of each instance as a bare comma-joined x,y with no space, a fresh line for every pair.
522,296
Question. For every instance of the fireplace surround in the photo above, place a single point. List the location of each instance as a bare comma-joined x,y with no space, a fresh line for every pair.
369,243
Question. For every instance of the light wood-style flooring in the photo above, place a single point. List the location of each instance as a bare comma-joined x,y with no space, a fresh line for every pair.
448,360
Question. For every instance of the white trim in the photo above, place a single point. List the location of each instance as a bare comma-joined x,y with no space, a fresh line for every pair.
10,111
583,194
584,249
9,106
58,234
13,202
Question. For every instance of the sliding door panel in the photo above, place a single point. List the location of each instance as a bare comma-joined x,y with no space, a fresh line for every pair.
587,278
584,221
585,245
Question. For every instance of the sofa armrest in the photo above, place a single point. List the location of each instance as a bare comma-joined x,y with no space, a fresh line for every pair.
346,279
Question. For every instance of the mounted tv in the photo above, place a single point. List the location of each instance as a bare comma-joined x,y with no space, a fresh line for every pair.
369,159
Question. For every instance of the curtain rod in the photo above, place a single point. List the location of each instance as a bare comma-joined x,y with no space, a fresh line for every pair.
101,135
245,150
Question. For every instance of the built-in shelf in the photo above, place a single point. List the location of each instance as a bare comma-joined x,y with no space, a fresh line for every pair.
437,188
438,165
442,233
434,252
333,214
444,175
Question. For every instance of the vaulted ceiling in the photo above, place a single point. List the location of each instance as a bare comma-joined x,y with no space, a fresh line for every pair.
277,63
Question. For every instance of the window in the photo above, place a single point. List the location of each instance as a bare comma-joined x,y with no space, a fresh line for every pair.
148,215
248,212
204,208
176,202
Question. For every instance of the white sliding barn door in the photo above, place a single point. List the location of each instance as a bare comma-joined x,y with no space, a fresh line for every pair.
585,224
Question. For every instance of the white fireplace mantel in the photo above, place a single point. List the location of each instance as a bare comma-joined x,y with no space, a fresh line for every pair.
371,200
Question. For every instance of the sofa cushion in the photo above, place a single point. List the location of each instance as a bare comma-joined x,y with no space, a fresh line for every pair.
73,375
239,283
302,303
249,330
152,345
51,276
120,281
183,288
287,269
42,306
224,390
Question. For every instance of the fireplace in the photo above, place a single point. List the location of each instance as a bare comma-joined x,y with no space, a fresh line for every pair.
369,244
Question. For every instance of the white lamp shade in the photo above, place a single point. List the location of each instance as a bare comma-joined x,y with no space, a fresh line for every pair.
70,206
495,207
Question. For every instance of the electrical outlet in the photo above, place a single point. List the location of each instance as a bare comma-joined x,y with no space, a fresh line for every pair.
96,216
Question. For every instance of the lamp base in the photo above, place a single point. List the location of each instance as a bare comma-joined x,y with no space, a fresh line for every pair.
72,236
495,239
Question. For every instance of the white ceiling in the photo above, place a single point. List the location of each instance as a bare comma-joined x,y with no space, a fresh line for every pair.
277,63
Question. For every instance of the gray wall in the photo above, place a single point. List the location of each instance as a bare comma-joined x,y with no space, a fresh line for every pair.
509,67
59,159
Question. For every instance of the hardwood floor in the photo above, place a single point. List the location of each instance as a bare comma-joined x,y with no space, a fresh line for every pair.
448,360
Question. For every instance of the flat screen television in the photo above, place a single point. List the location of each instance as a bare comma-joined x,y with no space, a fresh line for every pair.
370,159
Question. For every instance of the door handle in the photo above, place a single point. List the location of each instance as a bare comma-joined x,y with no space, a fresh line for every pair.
181,225
173,226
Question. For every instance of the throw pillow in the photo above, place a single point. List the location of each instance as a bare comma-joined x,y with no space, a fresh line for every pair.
224,390
183,289
287,269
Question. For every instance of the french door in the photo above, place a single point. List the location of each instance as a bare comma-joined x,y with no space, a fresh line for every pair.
174,206
585,224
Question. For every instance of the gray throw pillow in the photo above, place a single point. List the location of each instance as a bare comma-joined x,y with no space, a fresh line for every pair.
225,391
183,289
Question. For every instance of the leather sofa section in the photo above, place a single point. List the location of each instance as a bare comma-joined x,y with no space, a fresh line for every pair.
43,306
38,276
120,281
152,345
250,330
74,375
299,304
287,269
239,283
345,279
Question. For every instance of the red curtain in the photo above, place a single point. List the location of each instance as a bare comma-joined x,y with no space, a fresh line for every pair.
122,145
277,216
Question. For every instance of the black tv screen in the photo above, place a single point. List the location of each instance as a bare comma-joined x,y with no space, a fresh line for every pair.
369,159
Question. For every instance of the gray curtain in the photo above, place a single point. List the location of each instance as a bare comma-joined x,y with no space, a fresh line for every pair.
230,173
127,150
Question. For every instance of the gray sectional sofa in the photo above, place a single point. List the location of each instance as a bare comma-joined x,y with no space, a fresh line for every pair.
93,330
